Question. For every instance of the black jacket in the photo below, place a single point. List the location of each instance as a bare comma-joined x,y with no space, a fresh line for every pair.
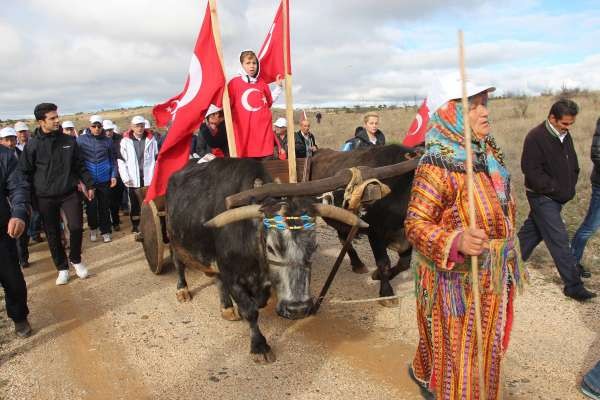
363,136
549,165
206,142
301,143
13,188
596,155
53,165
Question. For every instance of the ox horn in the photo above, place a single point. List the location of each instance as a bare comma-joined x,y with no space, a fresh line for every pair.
237,214
339,214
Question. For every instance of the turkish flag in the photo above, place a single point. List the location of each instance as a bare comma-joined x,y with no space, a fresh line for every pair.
204,85
163,113
418,128
271,52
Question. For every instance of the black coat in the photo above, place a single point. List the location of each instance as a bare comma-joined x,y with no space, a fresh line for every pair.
52,164
364,141
206,142
549,165
301,143
13,188
596,155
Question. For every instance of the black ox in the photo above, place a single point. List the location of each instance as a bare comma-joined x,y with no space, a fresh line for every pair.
251,249
385,217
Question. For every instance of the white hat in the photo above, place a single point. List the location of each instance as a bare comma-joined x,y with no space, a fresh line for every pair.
146,124
7,132
137,120
449,87
212,109
115,128
281,123
95,119
108,124
21,126
68,124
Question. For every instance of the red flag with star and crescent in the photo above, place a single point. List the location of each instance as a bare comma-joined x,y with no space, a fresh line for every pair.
271,52
204,85
418,129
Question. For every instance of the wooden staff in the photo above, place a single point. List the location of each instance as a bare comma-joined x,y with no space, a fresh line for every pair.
226,104
472,222
289,104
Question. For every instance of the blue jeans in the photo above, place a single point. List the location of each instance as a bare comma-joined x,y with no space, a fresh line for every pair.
591,381
590,225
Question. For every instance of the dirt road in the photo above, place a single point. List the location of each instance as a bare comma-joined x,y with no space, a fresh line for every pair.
121,334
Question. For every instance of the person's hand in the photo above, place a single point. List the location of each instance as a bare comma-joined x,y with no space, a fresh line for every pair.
472,242
313,148
279,80
90,194
16,227
113,182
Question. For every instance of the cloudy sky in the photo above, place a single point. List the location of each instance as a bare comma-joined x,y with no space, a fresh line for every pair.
87,55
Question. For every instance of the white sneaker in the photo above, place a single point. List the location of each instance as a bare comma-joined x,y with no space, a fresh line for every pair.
106,238
80,270
94,235
63,277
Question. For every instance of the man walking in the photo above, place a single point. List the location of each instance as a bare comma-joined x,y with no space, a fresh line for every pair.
14,205
97,154
53,166
22,134
116,192
550,166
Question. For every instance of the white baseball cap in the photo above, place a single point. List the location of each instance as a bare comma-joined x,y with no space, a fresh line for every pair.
281,123
146,124
68,124
212,109
21,126
95,119
108,124
449,87
115,128
137,120
7,132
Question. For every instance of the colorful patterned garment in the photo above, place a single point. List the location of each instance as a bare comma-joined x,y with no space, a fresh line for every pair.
446,358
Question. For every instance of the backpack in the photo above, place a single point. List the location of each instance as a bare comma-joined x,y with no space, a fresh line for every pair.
351,144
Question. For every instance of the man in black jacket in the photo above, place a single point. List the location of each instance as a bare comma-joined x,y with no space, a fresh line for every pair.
549,163
591,223
306,144
53,166
14,206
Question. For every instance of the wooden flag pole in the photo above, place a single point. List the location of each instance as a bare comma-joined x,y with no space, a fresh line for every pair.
289,103
226,104
472,222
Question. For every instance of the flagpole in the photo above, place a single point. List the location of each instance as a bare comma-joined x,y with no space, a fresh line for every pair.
288,99
472,222
226,104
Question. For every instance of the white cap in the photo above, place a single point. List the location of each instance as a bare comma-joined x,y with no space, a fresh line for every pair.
281,123
212,109
146,124
137,120
21,126
7,132
449,87
108,124
95,119
115,128
68,124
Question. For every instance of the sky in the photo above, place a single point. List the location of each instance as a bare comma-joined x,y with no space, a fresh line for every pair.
89,55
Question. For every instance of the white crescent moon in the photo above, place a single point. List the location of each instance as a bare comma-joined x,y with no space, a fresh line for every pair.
419,123
268,43
195,81
244,100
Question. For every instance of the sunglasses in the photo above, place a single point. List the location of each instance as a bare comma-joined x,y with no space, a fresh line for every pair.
96,126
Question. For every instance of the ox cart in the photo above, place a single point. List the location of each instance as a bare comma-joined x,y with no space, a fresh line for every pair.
362,185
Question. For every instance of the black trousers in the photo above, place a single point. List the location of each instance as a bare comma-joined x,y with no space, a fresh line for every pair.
98,210
135,207
545,223
23,245
116,198
50,211
11,278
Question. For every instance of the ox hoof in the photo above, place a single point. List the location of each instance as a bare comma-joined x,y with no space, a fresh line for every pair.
390,303
360,269
184,295
230,314
392,272
264,358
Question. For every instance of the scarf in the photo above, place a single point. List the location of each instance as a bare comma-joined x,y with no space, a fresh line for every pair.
445,148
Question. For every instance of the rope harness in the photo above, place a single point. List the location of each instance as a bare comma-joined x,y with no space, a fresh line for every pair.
354,192
280,222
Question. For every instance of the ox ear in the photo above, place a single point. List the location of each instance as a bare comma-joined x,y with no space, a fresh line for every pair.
339,214
237,214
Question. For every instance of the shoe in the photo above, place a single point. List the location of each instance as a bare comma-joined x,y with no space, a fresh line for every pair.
425,392
106,238
589,392
135,229
80,270
94,235
580,294
583,272
116,228
23,329
139,237
63,277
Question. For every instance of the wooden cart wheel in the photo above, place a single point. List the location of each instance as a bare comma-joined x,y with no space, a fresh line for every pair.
151,229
